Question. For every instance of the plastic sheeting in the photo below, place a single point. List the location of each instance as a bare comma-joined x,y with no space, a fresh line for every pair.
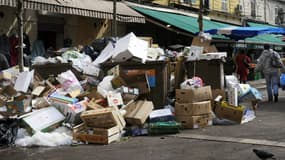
60,136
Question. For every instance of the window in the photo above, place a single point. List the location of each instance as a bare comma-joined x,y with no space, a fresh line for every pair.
253,8
276,15
225,5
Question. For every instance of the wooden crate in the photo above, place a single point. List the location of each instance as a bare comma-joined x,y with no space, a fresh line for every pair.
96,135
99,118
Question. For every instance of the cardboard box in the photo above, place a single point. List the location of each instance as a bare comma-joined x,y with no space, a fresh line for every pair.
5,75
96,135
202,42
233,96
136,79
119,118
213,55
138,112
8,91
40,102
44,120
118,82
94,104
192,109
93,93
128,47
115,99
161,115
99,118
226,111
159,128
193,95
38,90
148,39
72,112
210,49
190,122
103,118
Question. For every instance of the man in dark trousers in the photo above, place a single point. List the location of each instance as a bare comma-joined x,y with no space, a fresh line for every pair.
270,72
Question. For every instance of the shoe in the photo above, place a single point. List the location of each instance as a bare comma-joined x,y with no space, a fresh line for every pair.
275,98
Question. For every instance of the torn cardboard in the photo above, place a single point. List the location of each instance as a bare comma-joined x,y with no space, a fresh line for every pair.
138,112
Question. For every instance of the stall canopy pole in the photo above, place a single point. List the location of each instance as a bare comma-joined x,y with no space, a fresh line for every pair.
114,18
20,11
200,18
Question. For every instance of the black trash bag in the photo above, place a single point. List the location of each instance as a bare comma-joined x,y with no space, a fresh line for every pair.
89,50
8,131
99,44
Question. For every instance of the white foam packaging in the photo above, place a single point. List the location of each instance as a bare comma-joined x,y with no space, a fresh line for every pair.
128,47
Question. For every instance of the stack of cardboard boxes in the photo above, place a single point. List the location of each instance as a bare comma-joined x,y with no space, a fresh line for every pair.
193,107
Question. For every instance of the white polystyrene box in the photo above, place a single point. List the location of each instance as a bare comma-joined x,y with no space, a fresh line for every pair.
130,46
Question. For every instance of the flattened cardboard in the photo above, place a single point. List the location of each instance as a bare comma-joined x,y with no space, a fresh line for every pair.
193,95
23,81
193,109
38,90
74,93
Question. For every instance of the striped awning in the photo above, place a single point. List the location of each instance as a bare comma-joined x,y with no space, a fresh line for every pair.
89,8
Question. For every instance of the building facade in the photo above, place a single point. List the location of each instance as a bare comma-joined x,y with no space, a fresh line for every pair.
267,11
55,21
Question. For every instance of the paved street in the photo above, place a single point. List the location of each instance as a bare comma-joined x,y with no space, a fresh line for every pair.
268,125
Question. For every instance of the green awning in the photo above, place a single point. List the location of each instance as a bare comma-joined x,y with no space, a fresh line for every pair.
265,38
183,22
190,24
253,24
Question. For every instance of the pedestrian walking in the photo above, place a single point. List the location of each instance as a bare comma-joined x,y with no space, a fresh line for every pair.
242,61
270,64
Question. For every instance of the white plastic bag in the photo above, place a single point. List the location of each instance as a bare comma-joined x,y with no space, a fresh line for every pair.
105,86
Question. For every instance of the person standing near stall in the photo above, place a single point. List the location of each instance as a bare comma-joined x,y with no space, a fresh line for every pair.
270,71
242,61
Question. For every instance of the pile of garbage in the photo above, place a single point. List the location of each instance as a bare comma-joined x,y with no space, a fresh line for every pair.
75,98
69,99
